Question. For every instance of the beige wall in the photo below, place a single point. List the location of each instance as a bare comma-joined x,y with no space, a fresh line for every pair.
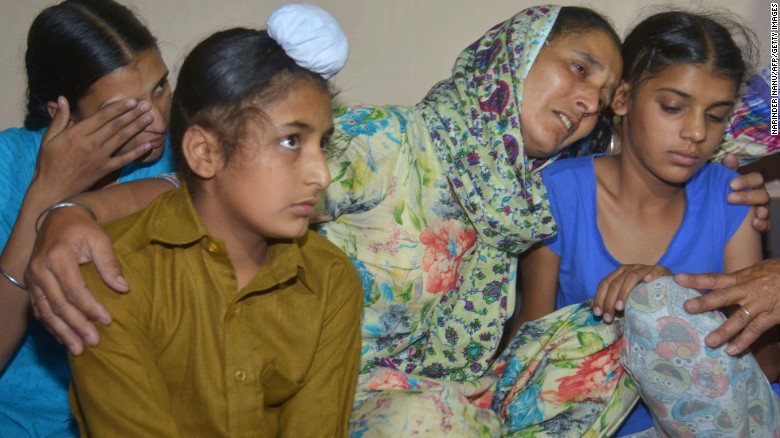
399,48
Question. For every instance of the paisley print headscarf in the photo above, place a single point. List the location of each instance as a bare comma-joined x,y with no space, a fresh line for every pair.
474,119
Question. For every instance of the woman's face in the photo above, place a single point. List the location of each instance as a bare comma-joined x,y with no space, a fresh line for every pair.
145,79
673,120
572,79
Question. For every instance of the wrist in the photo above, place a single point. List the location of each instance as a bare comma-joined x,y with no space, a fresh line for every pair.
59,205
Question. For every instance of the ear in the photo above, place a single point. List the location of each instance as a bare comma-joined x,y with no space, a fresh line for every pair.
622,98
52,108
201,149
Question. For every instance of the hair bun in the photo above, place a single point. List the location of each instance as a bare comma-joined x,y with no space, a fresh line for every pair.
310,36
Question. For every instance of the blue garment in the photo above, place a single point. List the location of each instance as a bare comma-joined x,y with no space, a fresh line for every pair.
34,384
708,224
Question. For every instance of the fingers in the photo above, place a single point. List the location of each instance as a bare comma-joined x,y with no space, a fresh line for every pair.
731,161
657,271
752,180
761,222
109,115
124,159
102,253
71,287
706,281
60,120
743,322
755,197
603,290
613,290
43,310
116,132
749,334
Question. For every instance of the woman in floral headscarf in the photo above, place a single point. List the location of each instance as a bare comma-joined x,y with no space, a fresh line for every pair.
434,202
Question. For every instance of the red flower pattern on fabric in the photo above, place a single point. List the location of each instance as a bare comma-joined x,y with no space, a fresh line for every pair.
445,244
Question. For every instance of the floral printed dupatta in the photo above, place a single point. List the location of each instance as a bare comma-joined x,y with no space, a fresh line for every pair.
474,118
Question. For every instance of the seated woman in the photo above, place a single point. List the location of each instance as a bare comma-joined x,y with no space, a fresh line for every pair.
97,80
659,206
241,321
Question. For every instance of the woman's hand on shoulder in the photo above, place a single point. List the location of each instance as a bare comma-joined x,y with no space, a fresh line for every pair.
749,189
613,290
74,156
68,238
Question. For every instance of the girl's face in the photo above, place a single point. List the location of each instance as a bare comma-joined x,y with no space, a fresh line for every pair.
145,79
270,185
572,79
674,120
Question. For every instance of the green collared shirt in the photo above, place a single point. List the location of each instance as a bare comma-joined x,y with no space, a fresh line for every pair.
188,354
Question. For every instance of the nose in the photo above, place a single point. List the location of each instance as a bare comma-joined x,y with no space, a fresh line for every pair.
587,98
160,123
694,127
318,173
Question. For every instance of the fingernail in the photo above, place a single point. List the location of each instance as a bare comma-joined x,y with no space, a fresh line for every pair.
147,118
131,103
597,311
90,339
121,280
692,305
607,317
147,146
682,277
619,305
731,350
144,106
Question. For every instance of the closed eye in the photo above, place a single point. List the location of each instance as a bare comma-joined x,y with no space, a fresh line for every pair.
716,118
671,109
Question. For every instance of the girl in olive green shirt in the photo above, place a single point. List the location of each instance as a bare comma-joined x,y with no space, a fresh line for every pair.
241,322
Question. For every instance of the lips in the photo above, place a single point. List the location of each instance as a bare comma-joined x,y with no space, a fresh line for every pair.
157,142
684,158
305,208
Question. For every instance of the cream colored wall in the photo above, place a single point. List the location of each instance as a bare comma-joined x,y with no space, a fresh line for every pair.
399,48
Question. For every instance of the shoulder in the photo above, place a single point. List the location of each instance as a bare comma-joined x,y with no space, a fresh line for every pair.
568,177
21,135
713,177
135,232
21,144
315,247
326,262
568,168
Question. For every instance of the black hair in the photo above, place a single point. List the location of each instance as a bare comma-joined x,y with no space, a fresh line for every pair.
224,80
573,20
676,37
73,44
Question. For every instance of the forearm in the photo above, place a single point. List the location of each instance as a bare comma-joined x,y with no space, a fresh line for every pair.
14,301
121,200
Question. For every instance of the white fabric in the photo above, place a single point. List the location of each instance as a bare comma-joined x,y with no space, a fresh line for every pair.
310,36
